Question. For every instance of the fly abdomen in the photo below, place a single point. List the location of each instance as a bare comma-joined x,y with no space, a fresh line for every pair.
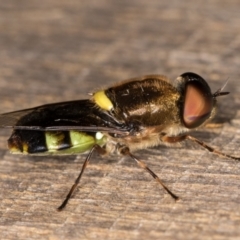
52,142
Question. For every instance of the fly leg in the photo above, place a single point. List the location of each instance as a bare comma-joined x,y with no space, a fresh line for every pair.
126,152
214,125
101,151
211,149
199,142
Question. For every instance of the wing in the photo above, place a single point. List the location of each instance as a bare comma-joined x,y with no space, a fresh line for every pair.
82,115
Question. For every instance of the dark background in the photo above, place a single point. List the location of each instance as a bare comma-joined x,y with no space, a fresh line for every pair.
55,50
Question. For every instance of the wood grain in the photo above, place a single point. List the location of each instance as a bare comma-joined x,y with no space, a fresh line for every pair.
60,50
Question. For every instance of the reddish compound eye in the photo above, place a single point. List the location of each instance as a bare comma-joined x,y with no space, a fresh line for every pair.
198,101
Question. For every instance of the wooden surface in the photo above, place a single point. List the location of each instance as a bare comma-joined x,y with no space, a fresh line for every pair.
60,50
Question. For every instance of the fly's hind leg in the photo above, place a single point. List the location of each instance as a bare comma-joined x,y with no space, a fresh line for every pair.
101,151
124,150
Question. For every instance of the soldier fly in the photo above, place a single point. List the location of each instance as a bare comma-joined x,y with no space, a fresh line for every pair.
135,114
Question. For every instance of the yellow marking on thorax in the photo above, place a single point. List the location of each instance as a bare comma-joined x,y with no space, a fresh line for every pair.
102,100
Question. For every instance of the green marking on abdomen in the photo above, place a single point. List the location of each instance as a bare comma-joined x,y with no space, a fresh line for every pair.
56,141
78,142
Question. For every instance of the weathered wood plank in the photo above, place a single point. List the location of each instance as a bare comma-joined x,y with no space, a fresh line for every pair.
60,50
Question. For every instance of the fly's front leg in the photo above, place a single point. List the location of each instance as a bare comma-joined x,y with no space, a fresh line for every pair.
101,151
211,149
214,125
199,142
124,150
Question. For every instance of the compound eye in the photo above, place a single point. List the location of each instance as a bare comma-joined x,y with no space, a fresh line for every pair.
198,101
